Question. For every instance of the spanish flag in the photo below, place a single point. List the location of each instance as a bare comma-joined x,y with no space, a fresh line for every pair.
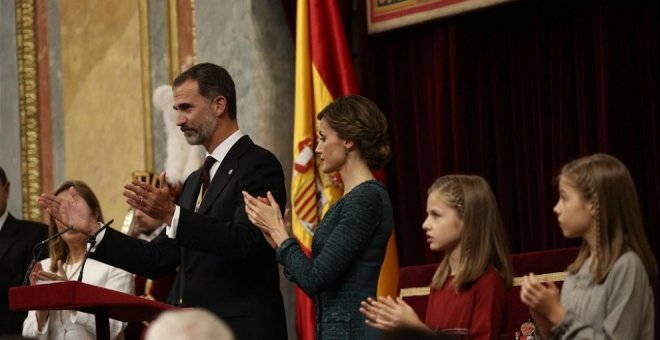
324,71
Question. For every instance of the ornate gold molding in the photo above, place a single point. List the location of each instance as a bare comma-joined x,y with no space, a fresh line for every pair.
517,281
414,291
183,36
26,50
174,39
194,32
554,277
146,85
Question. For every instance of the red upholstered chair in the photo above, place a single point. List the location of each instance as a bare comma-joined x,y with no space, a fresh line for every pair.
414,286
550,265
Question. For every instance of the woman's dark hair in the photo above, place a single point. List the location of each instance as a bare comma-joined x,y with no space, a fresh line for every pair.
358,119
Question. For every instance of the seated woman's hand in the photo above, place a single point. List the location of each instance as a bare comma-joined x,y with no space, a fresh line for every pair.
34,274
39,274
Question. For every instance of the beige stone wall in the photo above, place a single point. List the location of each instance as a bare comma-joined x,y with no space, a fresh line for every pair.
102,97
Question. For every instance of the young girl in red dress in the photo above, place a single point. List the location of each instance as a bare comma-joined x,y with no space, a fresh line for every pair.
468,290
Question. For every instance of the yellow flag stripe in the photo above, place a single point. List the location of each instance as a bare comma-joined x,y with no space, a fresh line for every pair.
303,118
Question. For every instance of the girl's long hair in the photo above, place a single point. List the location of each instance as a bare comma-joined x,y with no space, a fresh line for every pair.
606,182
483,240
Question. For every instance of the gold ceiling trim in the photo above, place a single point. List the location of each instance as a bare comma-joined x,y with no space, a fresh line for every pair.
26,50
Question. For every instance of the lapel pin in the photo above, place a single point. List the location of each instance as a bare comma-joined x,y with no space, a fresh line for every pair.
230,171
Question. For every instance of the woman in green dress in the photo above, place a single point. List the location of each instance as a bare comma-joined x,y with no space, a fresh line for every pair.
350,241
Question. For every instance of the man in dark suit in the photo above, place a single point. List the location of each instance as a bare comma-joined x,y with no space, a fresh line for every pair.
226,264
17,238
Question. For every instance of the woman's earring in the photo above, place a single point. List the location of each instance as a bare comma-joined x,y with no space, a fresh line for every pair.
346,151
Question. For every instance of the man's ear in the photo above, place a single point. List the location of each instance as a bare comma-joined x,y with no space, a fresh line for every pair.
349,144
219,105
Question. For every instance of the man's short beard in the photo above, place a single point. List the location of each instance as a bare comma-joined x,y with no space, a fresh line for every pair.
194,139
203,133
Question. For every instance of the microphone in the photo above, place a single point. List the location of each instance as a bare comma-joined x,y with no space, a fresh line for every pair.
92,242
57,234
37,250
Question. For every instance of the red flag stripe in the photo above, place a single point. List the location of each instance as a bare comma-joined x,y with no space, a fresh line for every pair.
311,214
330,54
310,188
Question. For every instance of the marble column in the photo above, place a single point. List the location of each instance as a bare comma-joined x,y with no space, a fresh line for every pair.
10,145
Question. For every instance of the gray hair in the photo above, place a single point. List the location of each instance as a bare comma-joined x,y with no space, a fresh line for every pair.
184,324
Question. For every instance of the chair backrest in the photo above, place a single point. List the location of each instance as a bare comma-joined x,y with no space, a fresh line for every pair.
549,265
414,286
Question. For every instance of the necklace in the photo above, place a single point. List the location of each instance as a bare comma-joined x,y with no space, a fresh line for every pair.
69,277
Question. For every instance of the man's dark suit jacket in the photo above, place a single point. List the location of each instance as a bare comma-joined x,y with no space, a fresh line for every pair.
17,238
228,267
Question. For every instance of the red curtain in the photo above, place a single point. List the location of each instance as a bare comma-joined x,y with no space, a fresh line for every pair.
511,93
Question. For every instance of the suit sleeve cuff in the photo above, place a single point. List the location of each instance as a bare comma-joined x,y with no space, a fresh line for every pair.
99,238
170,230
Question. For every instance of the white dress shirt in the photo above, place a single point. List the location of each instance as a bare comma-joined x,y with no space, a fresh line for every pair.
219,154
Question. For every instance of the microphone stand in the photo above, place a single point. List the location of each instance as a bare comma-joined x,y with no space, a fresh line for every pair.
37,250
91,243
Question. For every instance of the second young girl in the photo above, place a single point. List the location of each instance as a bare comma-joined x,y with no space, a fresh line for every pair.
607,293
468,290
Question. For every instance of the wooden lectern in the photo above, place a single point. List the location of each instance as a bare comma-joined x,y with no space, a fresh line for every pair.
73,295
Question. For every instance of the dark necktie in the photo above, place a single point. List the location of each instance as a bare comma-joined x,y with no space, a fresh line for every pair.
206,173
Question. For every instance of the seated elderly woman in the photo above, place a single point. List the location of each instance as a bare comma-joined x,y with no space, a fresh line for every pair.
66,254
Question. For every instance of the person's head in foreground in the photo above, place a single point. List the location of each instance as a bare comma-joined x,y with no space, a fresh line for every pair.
183,324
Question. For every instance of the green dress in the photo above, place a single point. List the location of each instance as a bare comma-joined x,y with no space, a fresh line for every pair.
347,252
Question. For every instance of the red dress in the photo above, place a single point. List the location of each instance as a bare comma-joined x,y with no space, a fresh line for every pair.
478,312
